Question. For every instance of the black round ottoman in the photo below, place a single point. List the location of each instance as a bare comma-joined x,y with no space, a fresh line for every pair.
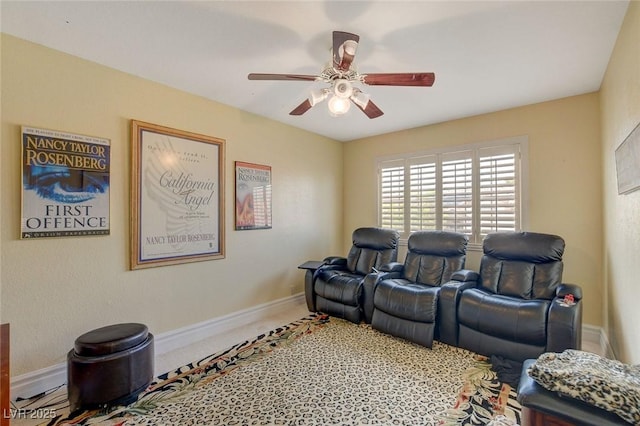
109,366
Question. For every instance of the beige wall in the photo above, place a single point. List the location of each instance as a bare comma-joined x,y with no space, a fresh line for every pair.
620,105
56,289
564,177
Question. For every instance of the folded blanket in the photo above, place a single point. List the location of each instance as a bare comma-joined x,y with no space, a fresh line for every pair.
604,383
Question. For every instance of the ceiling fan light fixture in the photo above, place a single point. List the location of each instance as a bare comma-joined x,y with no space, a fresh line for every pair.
342,88
318,95
349,47
360,98
338,105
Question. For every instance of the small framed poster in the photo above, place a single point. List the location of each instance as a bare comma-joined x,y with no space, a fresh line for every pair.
253,196
177,196
65,184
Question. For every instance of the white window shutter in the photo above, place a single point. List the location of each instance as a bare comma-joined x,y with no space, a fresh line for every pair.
392,198
423,195
498,186
457,193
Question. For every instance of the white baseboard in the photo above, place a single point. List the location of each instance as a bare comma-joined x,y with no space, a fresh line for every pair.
39,381
169,341
597,338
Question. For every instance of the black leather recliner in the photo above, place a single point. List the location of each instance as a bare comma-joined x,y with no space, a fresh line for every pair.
336,288
405,296
514,307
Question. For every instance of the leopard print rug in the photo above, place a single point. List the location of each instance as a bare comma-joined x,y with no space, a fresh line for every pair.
321,371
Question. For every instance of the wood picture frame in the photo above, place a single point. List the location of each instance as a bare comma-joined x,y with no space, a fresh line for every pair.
5,375
177,196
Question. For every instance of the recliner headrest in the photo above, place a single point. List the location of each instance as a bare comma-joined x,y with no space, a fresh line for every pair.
440,243
526,246
375,238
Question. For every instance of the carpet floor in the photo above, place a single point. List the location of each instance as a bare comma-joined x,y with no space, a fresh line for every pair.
321,371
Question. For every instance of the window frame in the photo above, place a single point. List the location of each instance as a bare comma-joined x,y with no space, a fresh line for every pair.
516,144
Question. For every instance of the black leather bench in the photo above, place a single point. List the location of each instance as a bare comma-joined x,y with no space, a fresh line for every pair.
541,406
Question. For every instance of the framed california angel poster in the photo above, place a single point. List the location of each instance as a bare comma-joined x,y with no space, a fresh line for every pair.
177,196
253,196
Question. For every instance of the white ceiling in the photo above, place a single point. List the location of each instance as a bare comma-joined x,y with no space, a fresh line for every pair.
487,56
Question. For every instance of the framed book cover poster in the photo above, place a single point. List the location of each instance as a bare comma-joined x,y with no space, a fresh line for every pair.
177,196
65,184
253,196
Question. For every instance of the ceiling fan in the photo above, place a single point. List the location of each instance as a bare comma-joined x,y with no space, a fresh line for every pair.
341,75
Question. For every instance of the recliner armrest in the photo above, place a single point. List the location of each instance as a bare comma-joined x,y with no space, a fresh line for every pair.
392,267
465,275
455,288
335,260
332,263
564,321
370,283
564,289
448,300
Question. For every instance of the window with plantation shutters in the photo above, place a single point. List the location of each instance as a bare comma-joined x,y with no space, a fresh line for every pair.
474,190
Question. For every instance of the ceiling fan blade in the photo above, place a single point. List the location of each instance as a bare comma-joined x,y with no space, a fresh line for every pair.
400,79
370,109
299,77
344,49
302,108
